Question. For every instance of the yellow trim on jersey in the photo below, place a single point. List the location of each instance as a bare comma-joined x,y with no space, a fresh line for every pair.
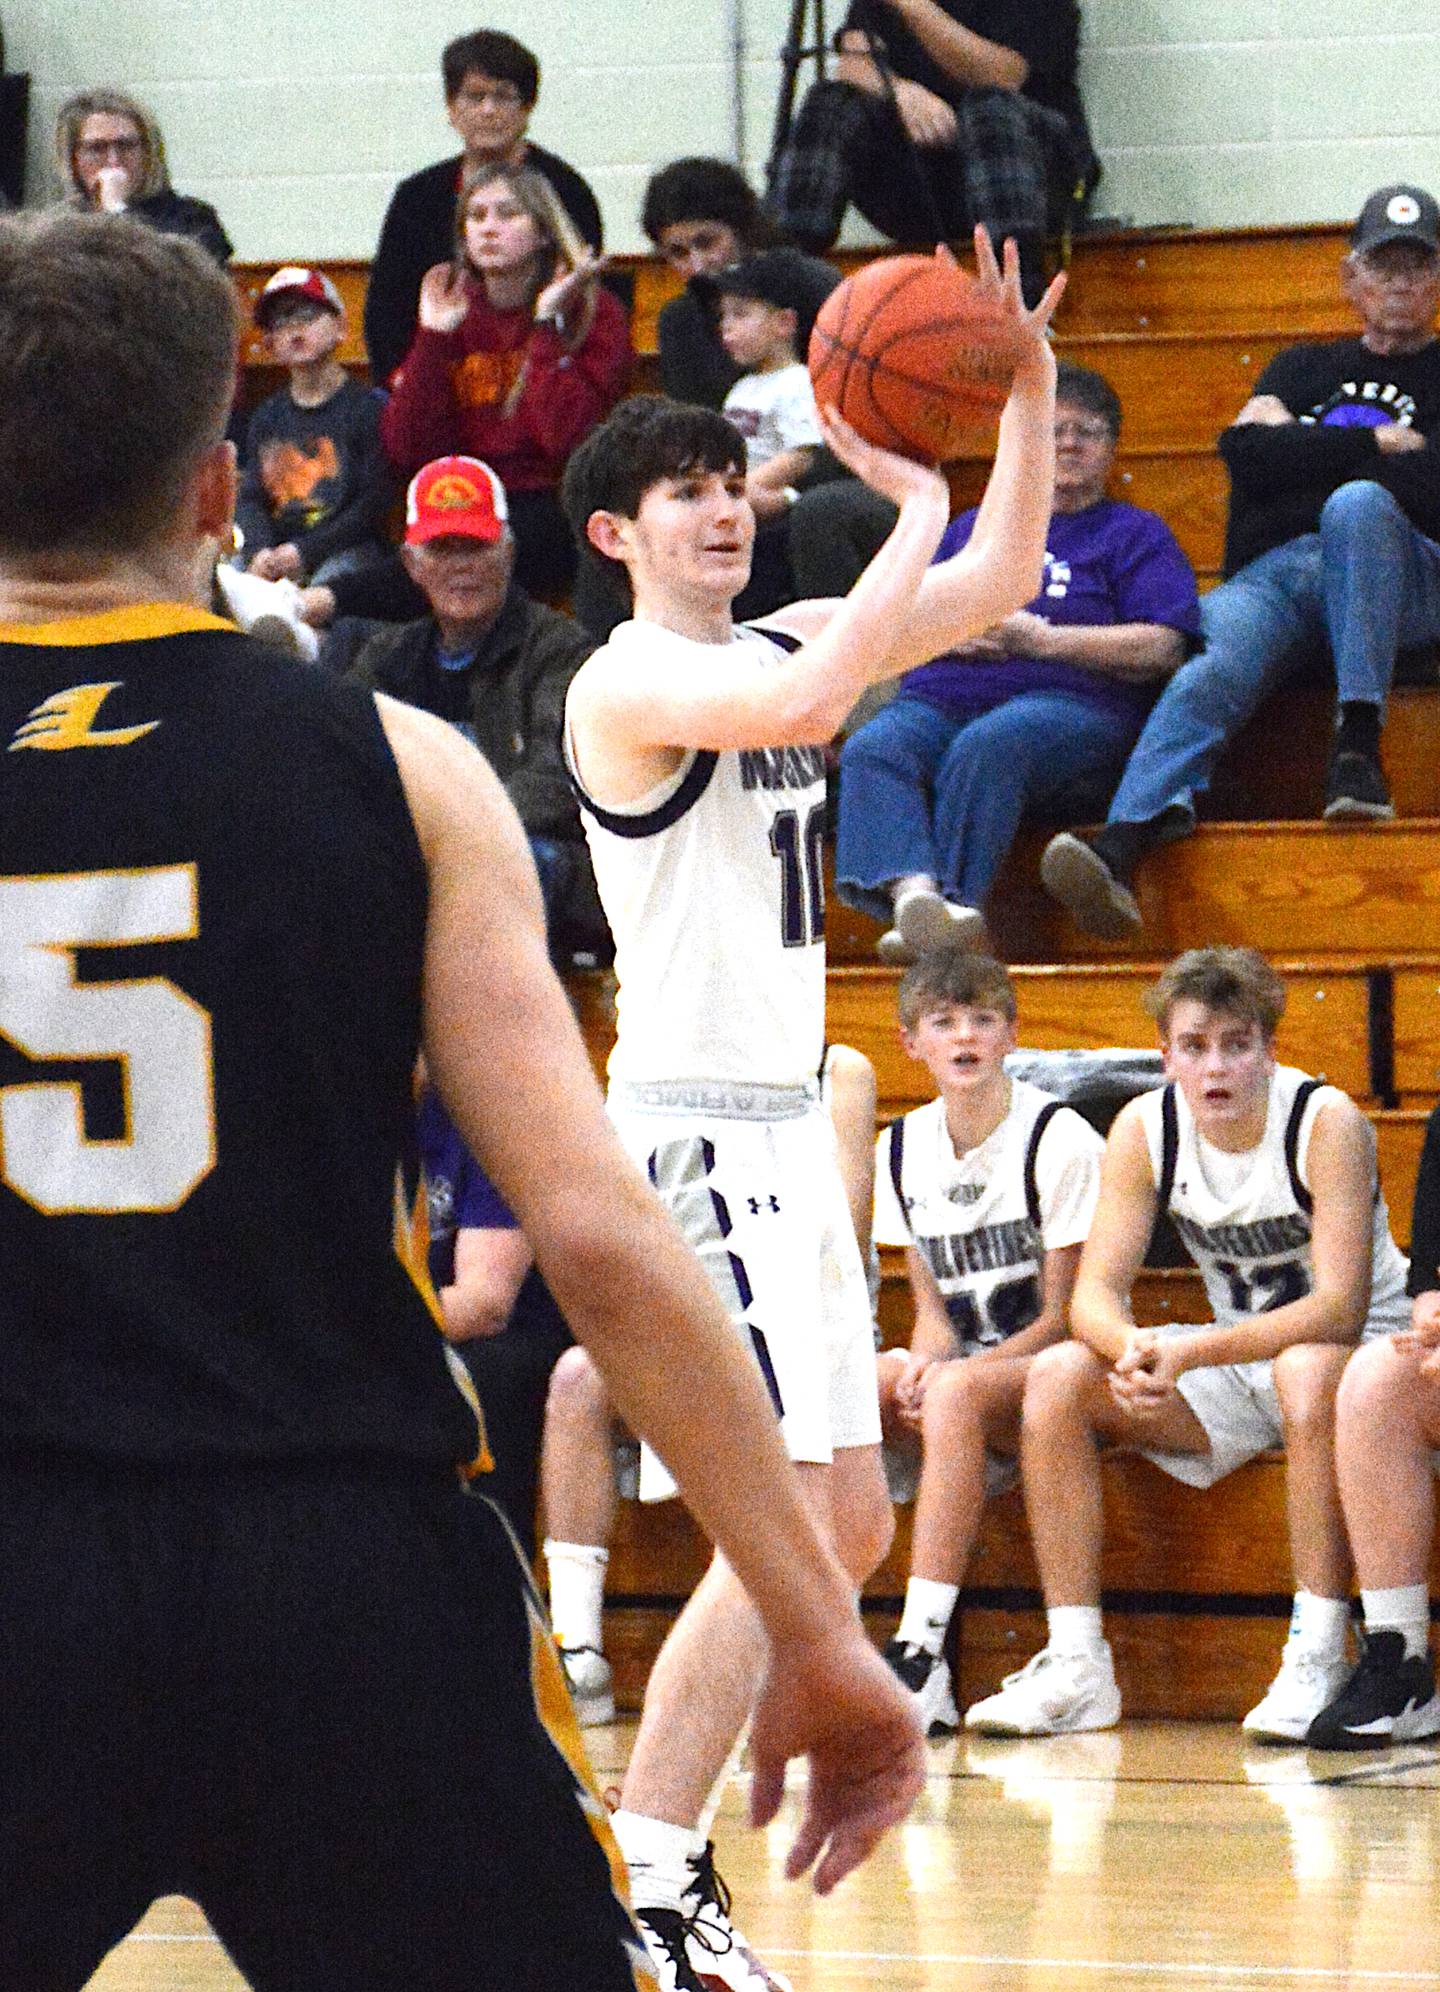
411,1241
557,1716
135,622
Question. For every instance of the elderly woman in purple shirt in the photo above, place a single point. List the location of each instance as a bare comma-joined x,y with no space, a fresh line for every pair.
933,787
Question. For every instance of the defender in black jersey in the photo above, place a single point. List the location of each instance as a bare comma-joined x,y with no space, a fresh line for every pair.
260,1645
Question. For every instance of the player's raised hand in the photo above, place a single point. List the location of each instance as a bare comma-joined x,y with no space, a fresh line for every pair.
898,478
836,1703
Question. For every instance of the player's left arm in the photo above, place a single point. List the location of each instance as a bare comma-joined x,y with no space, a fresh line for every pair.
1000,566
1342,1172
490,1267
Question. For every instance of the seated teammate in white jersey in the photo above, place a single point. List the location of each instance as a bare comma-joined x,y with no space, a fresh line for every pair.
1270,1179
991,1188
698,749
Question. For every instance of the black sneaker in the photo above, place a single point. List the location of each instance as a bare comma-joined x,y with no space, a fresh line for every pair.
665,1931
1076,874
1388,1699
927,1676
1355,788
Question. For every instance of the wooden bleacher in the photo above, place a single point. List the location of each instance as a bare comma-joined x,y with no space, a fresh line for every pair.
1197,1585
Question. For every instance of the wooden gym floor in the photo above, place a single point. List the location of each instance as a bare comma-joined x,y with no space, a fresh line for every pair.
1162,1854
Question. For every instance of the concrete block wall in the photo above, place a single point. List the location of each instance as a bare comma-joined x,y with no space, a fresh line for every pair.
295,117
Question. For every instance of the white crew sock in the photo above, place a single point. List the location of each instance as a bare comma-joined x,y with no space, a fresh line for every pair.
928,1606
658,1856
1403,1608
1319,1625
577,1591
912,882
1075,1629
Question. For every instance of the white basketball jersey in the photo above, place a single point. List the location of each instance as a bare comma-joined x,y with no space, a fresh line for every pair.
983,1221
712,887
1246,1219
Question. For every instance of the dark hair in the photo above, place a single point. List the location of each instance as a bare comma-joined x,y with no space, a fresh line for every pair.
1082,387
1239,980
699,189
954,975
493,53
117,368
647,439
787,281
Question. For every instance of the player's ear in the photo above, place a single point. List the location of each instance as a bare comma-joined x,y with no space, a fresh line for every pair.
609,533
215,486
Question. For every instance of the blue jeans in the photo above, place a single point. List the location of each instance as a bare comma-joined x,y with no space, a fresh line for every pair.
923,790
1367,581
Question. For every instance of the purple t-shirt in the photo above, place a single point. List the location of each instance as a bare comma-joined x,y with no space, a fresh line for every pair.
1111,563
461,1196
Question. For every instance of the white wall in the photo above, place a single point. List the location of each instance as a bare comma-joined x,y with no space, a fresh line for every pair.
295,119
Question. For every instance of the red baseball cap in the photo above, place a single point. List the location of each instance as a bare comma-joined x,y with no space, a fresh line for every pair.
455,497
296,281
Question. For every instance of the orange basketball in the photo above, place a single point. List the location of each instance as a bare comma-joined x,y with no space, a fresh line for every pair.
913,355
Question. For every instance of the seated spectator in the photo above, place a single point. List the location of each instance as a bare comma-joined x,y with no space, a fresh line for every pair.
933,787
1334,536
519,353
1270,1178
702,216
768,305
1387,1452
314,484
942,114
110,157
491,84
496,1308
496,665
991,1189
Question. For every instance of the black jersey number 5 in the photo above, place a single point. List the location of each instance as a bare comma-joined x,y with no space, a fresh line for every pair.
158,1036
796,844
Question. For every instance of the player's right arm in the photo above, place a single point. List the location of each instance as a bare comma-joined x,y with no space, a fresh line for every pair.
1114,1250
639,705
507,1058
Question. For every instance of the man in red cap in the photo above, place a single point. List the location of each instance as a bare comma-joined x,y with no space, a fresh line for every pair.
497,665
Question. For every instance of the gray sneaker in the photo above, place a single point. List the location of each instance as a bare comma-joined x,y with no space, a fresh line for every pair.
1074,872
926,923
592,1689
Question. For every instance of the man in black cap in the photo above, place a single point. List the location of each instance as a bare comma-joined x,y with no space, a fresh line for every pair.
1332,537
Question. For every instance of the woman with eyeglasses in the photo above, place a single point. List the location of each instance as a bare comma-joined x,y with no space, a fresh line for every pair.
1039,712
109,156
519,352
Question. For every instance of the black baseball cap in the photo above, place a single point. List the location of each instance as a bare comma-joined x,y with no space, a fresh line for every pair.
785,278
1397,214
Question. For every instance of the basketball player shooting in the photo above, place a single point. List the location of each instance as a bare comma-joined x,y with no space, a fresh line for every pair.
698,748
259,1645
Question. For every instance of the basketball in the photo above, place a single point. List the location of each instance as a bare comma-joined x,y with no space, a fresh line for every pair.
914,355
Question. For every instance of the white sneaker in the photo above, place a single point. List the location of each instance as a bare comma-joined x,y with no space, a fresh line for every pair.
717,1953
1306,1683
1054,1694
592,1688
